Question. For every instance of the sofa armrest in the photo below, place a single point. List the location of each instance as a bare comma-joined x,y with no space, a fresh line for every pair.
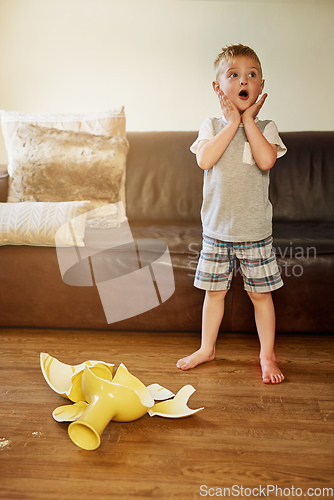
3,183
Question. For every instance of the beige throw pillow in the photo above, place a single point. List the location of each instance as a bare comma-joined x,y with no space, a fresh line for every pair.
108,123
50,165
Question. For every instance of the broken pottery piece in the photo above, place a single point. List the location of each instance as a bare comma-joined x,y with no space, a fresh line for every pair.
66,379
69,413
176,407
159,393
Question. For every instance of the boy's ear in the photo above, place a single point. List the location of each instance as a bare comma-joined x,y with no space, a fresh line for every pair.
216,87
262,86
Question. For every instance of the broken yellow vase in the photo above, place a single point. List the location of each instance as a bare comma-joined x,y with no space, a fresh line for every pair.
99,398
124,399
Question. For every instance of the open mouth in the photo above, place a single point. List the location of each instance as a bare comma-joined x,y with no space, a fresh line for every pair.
243,94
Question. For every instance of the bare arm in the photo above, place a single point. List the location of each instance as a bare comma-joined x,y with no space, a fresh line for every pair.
264,153
209,151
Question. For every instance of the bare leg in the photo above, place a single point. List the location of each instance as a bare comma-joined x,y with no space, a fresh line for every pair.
265,322
212,315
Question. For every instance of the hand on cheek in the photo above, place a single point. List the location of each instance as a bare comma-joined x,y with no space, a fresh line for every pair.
254,110
229,110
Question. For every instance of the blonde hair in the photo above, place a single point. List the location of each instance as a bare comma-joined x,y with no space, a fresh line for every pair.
231,52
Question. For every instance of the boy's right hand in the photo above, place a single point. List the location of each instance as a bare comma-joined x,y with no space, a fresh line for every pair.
229,110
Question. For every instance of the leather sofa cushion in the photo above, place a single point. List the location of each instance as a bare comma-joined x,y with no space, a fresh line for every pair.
297,237
35,294
302,181
165,183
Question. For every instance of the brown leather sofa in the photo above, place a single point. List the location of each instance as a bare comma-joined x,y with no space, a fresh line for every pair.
164,192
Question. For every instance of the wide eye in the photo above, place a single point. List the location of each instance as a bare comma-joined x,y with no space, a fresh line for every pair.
233,75
252,74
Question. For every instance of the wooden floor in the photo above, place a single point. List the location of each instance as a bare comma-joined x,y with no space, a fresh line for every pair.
249,435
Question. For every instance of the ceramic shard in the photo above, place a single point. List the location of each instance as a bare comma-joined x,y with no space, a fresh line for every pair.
159,393
66,379
176,407
69,413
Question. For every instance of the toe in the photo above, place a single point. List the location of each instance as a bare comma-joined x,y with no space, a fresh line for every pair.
276,379
182,364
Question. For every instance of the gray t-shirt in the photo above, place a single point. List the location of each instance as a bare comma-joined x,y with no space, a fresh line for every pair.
235,205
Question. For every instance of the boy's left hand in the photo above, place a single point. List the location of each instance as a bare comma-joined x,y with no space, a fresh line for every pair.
254,110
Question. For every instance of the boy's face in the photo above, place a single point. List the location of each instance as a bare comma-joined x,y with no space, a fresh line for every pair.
241,81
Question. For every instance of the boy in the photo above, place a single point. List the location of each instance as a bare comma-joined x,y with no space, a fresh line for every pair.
236,153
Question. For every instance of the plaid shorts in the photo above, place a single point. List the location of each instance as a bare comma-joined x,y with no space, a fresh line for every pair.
257,264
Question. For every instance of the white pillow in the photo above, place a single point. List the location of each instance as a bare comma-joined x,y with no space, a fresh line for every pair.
36,223
109,123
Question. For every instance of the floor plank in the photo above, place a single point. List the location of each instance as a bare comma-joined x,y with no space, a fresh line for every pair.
249,434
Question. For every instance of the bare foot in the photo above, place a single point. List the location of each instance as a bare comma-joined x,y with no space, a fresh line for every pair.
271,372
196,358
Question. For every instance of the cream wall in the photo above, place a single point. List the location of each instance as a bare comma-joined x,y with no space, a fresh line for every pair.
155,57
